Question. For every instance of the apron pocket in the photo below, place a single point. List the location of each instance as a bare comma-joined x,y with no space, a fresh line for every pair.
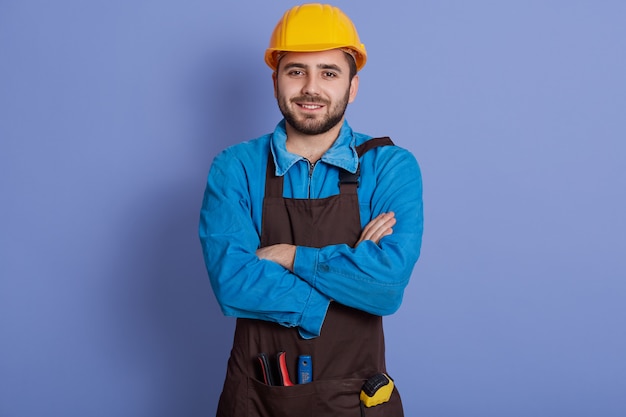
273,401
341,398
336,398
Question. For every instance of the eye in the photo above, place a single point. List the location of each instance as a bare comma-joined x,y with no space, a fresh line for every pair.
329,74
295,73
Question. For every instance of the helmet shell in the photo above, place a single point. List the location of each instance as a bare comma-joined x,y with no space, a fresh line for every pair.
314,27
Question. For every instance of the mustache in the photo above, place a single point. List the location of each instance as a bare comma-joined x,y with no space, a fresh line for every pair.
309,99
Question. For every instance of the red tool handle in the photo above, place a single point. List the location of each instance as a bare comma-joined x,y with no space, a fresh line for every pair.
282,370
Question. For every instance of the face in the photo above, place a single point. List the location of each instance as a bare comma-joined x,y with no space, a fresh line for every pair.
313,89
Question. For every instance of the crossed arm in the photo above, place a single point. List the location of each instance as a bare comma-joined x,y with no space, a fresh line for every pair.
293,285
284,254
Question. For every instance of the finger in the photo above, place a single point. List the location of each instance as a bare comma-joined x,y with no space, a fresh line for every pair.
379,221
378,228
380,224
375,224
380,233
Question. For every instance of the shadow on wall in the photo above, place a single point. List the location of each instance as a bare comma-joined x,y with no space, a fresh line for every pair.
170,324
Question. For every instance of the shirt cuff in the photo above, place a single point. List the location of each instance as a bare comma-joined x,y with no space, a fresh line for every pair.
314,315
305,263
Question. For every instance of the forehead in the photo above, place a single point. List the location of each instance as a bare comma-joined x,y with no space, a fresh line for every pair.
334,57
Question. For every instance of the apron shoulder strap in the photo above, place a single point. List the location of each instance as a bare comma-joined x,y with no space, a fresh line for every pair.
273,183
373,143
348,182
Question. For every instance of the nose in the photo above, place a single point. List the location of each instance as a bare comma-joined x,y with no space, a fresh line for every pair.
310,86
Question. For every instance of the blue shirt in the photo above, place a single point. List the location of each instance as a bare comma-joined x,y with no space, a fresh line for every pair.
371,277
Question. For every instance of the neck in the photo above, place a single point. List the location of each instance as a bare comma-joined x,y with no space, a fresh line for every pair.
311,147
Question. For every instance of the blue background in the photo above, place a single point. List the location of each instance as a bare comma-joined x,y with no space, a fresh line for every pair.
111,113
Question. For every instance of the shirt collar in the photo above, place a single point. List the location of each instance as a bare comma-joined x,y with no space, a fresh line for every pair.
341,154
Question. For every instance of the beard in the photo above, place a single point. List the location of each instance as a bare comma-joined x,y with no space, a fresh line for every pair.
311,125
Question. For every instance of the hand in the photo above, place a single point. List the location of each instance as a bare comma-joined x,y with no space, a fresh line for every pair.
378,227
282,253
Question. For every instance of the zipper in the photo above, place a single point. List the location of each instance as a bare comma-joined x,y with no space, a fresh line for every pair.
311,168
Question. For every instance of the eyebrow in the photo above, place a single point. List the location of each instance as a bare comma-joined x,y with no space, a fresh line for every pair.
333,67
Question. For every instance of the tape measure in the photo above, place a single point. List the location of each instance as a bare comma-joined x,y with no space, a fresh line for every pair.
377,390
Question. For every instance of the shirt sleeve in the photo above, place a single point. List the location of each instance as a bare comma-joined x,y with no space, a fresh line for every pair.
373,277
244,285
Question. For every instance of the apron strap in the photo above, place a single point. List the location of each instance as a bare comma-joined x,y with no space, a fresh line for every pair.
349,182
373,143
273,183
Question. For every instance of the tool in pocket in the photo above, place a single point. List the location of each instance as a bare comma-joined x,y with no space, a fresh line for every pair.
266,370
279,375
305,369
283,373
377,390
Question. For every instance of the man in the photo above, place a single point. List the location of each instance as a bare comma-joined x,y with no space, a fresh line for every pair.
310,234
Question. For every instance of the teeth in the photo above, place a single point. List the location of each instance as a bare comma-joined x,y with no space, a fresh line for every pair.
310,106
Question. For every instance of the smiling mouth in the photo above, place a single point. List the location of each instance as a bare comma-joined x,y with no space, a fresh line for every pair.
310,106
309,103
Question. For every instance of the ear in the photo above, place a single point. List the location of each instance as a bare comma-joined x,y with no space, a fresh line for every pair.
354,88
275,81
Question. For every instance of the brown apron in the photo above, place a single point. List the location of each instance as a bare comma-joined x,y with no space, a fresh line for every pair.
351,346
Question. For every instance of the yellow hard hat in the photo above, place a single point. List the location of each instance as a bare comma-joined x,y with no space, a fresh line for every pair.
314,27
